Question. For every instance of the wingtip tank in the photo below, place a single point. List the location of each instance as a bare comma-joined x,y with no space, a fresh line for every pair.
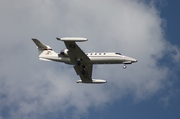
75,39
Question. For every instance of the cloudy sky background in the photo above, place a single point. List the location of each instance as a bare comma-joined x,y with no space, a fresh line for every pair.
142,29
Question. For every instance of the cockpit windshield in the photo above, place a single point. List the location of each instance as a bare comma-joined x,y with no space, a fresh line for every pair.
118,53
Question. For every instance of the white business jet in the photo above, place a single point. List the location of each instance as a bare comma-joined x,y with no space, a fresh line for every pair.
82,62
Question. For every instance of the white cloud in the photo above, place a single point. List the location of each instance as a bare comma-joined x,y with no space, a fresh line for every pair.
32,88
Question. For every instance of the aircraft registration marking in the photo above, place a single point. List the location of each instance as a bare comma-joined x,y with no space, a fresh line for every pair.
48,52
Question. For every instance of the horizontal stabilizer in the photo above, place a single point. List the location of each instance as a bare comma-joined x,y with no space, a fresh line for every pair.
40,45
75,39
93,81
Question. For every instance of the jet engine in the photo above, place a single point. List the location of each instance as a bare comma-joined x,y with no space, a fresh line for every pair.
64,52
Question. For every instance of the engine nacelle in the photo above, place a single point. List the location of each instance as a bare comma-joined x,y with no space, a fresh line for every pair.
93,81
64,52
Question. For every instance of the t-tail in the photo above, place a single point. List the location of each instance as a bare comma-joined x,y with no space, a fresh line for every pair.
45,51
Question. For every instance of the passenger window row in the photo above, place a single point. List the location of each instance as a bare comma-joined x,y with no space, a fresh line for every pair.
95,53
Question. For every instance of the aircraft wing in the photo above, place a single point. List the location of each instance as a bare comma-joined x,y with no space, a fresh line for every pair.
84,71
76,54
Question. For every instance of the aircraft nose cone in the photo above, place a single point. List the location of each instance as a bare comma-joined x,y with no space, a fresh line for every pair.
134,60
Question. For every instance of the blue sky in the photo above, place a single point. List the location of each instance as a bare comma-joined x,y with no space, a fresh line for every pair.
147,31
170,12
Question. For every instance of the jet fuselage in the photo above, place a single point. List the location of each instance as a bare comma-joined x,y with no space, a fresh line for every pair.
95,58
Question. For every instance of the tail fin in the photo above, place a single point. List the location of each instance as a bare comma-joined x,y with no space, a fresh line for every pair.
44,50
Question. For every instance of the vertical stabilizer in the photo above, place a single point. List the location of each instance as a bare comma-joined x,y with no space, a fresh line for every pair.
44,50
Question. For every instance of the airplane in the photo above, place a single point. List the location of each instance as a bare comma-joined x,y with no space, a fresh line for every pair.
83,62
